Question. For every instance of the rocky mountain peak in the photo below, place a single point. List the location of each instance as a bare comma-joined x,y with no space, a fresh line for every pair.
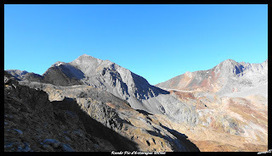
229,67
226,77
17,73
85,61
86,57
227,61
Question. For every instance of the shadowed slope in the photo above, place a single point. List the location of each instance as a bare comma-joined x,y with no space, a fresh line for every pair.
95,128
34,124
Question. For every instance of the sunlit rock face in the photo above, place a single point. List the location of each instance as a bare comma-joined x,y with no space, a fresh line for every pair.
231,103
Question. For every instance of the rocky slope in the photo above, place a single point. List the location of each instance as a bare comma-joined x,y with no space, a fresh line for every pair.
227,123
80,118
231,102
33,123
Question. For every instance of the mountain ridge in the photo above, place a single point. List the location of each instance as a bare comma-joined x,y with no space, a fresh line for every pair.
227,77
90,120
121,82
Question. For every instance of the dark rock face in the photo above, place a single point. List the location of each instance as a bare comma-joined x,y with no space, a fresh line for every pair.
144,89
63,75
58,74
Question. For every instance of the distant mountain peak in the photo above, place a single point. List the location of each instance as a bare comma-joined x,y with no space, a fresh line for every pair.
83,55
19,74
224,77
85,61
86,57
228,62
228,67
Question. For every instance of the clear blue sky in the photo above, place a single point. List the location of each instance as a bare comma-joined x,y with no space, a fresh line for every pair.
157,42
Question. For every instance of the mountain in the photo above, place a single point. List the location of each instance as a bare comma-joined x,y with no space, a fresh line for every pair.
104,74
24,75
110,103
227,77
86,119
221,109
34,124
231,102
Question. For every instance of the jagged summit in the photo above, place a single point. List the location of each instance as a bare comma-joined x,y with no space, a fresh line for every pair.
229,67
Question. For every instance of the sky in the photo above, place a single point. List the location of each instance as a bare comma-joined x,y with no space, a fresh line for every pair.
157,42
